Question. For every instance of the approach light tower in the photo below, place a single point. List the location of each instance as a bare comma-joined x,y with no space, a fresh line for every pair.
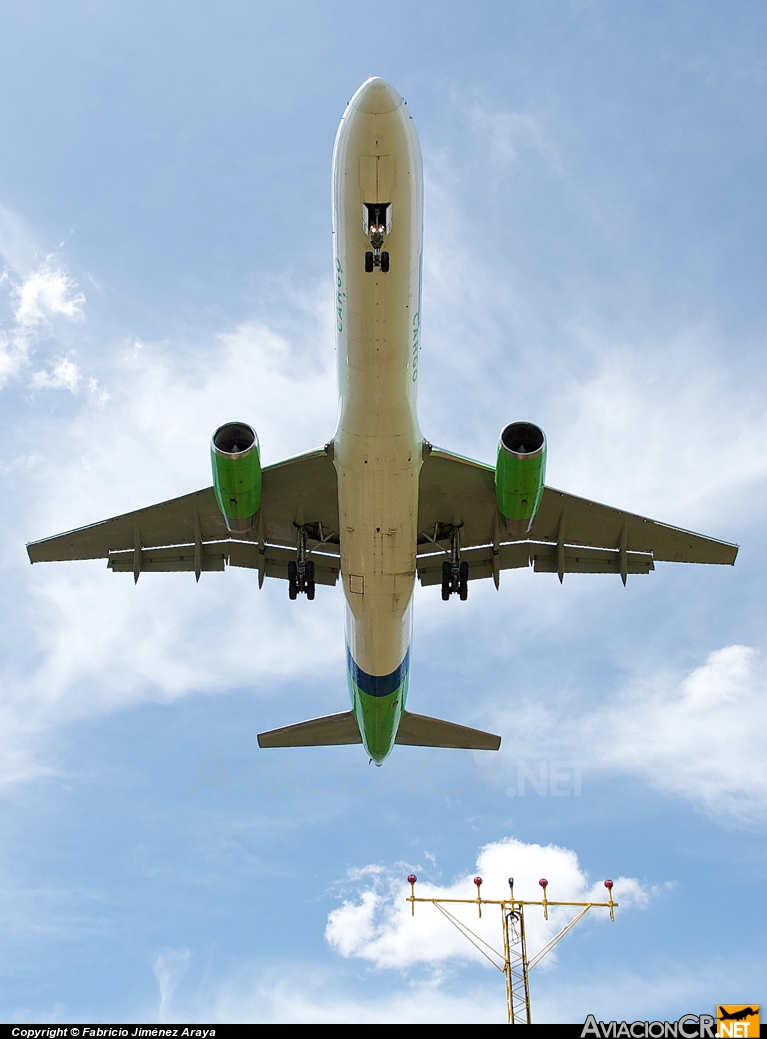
513,962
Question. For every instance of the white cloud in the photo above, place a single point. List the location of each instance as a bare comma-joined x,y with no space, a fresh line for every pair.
702,738
169,968
287,999
46,293
292,992
506,133
12,356
307,994
99,394
18,248
39,301
63,374
688,445
377,925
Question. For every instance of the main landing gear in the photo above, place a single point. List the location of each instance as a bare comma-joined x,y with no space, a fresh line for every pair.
455,573
301,571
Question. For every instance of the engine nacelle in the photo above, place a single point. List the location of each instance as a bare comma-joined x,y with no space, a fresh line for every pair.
520,473
236,463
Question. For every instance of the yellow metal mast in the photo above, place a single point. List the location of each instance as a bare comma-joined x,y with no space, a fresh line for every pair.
513,962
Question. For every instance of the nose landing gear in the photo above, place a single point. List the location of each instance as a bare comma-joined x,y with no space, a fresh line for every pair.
377,223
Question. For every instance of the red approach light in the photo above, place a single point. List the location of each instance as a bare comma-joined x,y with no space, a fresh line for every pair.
478,881
608,884
412,878
544,883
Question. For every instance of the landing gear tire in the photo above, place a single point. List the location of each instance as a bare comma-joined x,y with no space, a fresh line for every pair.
292,579
310,579
446,580
369,263
463,582
384,263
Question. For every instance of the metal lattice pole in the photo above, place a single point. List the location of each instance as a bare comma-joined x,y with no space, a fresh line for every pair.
513,962
516,966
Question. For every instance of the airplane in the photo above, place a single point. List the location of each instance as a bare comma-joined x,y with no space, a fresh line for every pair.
737,1015
379,504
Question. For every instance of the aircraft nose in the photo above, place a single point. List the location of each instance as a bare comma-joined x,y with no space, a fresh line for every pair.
376,97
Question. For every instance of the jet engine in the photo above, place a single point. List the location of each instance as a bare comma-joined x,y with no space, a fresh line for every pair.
236,463
520,473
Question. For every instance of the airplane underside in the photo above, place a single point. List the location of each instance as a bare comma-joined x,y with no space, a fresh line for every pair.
378,506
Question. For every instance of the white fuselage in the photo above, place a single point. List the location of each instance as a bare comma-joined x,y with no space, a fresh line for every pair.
378,445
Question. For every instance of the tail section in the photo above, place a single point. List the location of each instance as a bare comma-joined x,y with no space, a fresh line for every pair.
415,730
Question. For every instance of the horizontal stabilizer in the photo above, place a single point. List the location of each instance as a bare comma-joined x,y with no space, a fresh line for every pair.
331,731
416,730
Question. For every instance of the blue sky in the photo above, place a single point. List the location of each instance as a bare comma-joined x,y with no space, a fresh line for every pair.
594,262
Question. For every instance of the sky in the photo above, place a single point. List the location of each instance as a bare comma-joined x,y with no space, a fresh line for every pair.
594,262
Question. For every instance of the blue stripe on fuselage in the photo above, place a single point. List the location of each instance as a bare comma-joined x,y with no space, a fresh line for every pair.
377,685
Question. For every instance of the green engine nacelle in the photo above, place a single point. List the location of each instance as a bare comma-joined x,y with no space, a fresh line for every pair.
236,463
520,473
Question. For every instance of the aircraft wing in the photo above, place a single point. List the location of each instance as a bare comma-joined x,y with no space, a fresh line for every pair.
189,533
568,535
